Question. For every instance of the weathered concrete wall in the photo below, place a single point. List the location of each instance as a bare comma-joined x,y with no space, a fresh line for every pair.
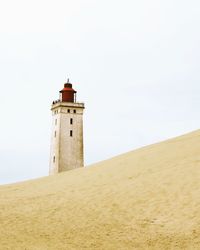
67,149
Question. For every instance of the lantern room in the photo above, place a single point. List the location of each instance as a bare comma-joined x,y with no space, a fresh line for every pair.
68,94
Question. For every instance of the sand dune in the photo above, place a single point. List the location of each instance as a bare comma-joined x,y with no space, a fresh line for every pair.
145,199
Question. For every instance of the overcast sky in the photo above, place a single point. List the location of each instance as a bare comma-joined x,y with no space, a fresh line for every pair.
135,64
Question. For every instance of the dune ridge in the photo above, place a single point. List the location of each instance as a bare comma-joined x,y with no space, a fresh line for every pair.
145,199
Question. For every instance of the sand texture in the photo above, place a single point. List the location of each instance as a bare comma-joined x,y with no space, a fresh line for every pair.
145,199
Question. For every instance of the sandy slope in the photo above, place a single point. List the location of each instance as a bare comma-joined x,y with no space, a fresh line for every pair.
145,199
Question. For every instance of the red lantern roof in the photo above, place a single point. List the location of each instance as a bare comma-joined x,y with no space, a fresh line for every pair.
67,87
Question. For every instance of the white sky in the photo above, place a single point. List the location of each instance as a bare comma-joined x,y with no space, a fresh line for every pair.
135,64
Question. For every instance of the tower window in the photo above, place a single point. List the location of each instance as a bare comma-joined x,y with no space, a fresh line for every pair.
55,134
68,110
71,133
71,121
54,159
55,121
74,111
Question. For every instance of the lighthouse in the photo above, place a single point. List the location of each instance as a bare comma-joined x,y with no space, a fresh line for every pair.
67,132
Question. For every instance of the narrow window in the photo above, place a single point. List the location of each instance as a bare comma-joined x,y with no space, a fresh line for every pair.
55,134
54,159
71,133
68,110
55,121
71,121
74,111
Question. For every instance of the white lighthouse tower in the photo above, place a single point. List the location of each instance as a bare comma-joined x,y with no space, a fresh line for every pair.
67,132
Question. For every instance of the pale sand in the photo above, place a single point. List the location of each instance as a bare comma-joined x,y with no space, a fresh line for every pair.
145,199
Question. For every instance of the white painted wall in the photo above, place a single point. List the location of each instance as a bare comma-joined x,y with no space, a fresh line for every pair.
68,151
